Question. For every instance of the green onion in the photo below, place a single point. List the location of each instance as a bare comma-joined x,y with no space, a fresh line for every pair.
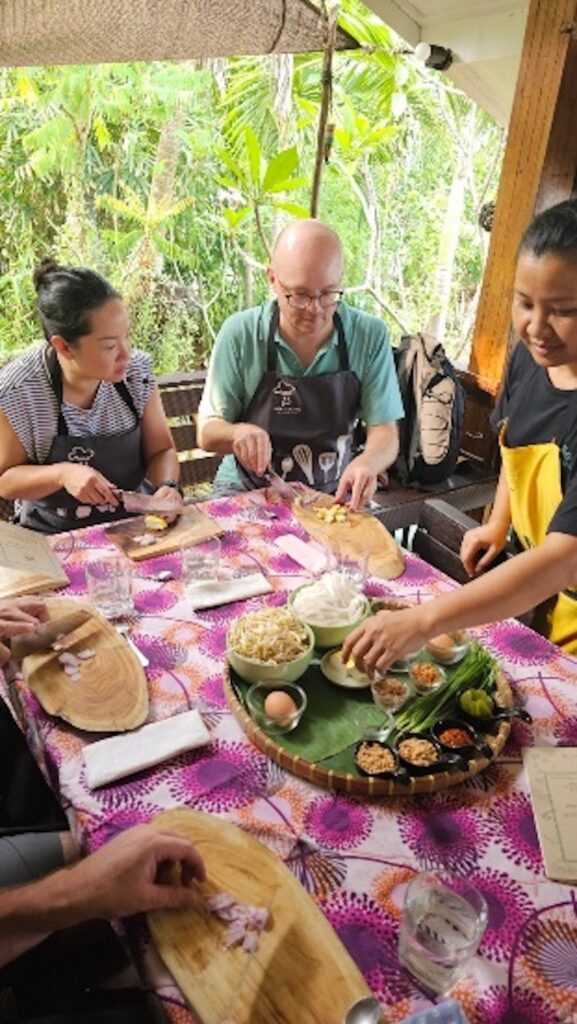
478,667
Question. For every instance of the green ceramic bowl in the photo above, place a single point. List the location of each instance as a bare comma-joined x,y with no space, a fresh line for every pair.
329,636
253,671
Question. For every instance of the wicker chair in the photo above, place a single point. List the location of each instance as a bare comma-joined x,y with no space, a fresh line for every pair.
181,394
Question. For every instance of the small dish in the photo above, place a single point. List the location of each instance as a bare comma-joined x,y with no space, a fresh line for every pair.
390,692
467,744
414,749
403,665
275,726
376,759
426,676
449,648
337,672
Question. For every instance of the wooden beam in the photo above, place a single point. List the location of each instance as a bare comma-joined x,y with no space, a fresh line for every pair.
539,169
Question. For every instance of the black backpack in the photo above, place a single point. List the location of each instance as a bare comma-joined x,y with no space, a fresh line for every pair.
434,403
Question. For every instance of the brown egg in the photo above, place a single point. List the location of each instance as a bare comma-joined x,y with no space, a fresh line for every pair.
280,706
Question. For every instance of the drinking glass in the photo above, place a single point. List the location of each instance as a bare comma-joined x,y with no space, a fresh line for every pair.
352,562
444,918
109,585
201,561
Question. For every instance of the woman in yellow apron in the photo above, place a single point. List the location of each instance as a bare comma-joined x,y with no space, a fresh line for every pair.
537,490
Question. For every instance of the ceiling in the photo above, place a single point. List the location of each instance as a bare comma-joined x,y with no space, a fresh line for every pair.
34,32
486,37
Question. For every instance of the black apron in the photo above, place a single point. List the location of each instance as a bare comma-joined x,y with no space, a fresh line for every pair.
117,456
310,420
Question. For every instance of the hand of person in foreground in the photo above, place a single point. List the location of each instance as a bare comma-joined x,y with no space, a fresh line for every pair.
17,616
359,481
88,485
252,447
129,874
383,639
142,869
481,545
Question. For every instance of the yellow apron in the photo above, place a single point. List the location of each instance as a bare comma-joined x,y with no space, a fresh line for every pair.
533,474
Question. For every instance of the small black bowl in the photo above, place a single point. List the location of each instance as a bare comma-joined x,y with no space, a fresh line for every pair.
398,773
475,744
440,765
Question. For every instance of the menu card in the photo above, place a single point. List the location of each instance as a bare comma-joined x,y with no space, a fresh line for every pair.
552,773
27,563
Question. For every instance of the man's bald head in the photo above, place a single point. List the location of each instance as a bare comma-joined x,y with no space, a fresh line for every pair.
301,248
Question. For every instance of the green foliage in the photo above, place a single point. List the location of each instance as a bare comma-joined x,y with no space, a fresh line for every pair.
173,179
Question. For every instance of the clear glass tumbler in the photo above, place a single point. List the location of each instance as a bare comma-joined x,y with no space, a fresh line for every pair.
109,584
201,561
444,918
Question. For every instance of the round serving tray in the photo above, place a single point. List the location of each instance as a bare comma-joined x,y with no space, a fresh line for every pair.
357,784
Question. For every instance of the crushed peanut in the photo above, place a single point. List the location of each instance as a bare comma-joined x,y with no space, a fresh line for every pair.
418,752
374,758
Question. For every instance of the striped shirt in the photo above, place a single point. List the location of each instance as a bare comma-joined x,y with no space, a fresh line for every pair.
28,401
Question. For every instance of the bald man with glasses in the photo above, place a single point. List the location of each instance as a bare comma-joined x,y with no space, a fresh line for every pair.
289,380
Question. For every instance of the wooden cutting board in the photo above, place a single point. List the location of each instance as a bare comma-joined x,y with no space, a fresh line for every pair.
192,527
360,530
112,693
301,973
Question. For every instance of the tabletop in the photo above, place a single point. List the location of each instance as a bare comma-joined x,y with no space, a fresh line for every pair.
354,857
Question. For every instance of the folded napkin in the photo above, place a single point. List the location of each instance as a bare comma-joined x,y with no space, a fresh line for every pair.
311,556
210,593
123,755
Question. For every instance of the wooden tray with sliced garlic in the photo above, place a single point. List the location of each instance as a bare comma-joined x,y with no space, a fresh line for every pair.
333,524
87,675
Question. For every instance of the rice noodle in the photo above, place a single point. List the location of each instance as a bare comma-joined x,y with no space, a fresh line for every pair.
331,601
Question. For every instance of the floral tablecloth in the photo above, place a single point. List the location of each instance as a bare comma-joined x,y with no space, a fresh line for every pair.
353,857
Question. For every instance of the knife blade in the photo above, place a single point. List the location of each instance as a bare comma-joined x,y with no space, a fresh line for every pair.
279,485
133,501
43,638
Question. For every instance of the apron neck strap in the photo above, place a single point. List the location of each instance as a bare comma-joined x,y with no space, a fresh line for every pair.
55,374
271,342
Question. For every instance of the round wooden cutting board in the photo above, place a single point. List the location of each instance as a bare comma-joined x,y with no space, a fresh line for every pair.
301,973
112,692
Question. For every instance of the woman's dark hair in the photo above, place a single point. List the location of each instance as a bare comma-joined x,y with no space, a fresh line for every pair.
553,231
66,298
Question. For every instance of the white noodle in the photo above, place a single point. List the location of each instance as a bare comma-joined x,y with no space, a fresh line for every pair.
331,601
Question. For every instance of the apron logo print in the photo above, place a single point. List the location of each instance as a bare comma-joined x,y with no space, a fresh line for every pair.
81,455
286,400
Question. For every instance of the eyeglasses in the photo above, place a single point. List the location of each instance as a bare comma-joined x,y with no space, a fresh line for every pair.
298,300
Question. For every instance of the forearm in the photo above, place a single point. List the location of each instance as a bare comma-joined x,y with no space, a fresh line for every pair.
163,466
217,435
29,913
510,589
381,448
31,481
501,510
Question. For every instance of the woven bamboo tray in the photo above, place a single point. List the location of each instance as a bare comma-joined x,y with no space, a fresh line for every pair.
357,784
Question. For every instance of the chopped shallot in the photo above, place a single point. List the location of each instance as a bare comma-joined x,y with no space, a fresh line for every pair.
85,654
67,658
245,922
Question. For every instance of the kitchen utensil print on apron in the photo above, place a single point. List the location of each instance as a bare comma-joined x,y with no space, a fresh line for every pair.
304,416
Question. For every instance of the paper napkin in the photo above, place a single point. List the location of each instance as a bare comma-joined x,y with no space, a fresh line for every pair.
122,755
210,593
311,556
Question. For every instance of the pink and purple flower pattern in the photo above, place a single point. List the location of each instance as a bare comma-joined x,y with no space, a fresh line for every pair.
338,823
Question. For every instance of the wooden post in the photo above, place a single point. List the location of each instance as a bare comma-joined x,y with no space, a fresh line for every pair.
539,169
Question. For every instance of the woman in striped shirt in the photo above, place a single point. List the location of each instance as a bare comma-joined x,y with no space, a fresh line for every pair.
81,417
